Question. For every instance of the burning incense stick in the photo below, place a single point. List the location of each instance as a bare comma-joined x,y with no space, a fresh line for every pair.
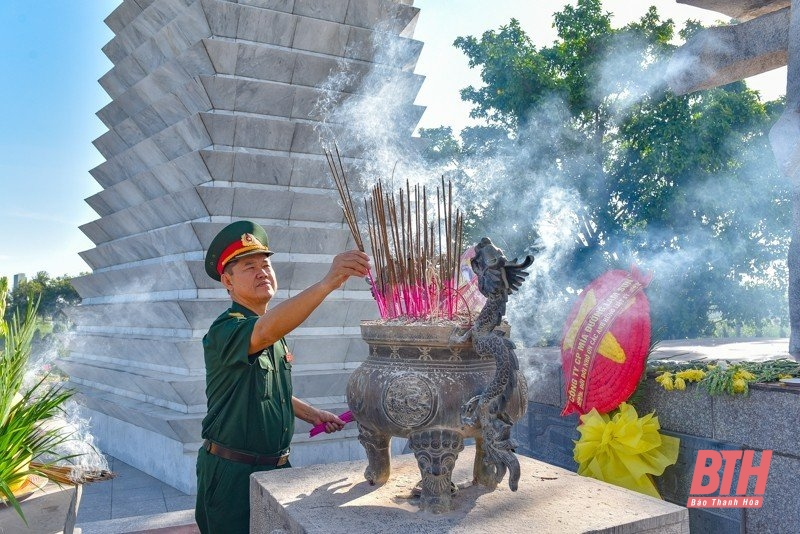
416,275
344,193
71,474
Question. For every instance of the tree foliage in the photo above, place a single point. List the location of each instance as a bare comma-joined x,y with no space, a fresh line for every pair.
53,294
682,185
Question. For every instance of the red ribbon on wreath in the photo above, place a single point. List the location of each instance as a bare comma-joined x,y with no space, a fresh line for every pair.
605,343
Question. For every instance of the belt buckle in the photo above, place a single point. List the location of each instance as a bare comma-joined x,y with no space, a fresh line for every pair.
282,460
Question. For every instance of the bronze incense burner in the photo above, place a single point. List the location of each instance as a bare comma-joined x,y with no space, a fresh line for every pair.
438,384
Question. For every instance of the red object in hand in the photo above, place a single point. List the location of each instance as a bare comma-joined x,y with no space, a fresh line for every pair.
347,417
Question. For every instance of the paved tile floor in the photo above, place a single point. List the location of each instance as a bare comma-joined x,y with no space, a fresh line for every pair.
130,493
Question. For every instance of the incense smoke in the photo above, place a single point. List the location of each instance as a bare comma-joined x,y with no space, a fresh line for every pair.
78,443
524,194
378,119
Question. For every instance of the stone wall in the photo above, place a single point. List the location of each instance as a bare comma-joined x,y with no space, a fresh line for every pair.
763,420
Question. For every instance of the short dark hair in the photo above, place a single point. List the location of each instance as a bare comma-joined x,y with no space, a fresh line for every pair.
229,267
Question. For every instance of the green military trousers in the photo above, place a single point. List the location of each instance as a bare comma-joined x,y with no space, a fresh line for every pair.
223,494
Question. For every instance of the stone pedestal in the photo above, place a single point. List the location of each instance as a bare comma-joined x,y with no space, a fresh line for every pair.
49,509
334,498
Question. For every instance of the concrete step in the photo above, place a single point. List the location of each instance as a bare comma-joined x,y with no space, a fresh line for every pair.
162,145
178,426
173,278
149,43
176,318
181,522
180,240
181,393
182,357
133,21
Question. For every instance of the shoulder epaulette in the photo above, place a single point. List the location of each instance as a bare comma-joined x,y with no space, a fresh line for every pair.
236,315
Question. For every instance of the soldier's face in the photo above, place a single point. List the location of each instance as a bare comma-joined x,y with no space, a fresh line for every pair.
251,279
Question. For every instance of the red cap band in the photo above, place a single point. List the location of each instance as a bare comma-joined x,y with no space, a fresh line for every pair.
247,243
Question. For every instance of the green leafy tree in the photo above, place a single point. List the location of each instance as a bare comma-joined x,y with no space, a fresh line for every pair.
440,147
685,186
53,294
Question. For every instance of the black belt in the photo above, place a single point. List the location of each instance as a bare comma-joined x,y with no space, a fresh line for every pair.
243,457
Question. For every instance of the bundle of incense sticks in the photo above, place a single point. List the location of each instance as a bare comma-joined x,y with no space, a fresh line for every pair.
71,474
416,247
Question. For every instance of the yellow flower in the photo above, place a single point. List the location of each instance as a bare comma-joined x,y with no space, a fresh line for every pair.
680,383
784,375
744,375
626,450
665,379
691,375
739,385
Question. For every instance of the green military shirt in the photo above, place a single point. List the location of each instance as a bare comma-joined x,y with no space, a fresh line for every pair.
249,396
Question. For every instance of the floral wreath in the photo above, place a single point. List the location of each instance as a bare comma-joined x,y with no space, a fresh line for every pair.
604,352
605,349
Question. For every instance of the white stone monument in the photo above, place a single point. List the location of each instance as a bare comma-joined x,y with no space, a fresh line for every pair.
214,118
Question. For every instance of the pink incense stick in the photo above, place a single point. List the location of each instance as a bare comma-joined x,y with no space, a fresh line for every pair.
347,417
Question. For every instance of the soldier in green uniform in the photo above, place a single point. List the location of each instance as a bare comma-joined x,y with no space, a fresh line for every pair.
251,408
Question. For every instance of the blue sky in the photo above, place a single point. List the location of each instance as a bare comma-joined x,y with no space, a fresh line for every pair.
51,62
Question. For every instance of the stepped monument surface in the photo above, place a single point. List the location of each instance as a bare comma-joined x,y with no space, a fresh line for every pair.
215,116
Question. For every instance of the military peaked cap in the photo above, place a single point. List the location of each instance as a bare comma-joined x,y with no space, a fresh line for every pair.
237,240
